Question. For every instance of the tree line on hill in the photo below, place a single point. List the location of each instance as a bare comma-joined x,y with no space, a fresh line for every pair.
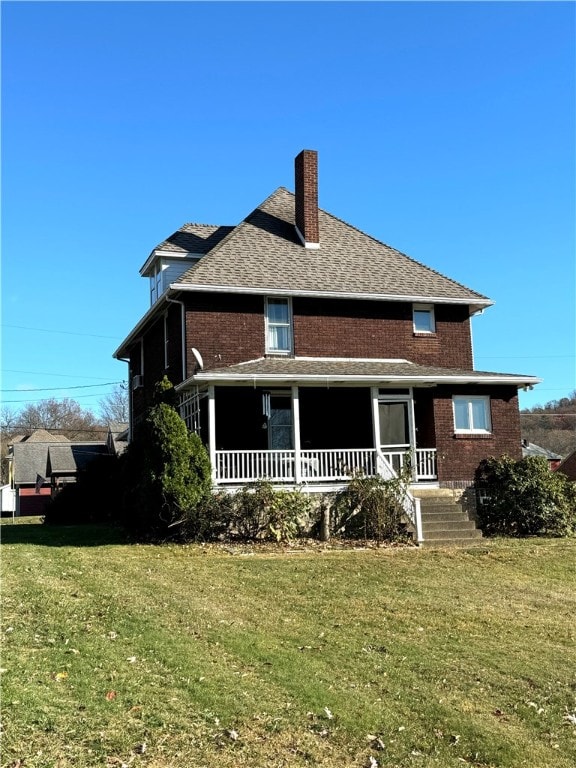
551,426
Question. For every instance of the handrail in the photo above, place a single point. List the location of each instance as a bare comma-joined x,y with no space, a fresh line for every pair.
410,503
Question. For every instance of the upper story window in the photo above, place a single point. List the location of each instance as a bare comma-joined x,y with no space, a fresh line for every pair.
156,282
423,318
278,326
472,413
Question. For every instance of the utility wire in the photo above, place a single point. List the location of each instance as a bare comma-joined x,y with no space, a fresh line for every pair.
45,373
66,333
60,389
48,399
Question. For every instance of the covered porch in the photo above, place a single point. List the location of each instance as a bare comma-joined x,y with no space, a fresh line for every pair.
315,435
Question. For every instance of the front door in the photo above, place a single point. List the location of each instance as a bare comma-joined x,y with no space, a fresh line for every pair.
280,432
395,430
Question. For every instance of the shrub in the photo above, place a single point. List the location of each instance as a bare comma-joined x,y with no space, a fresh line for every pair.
257,511
524,498
370,508
166,473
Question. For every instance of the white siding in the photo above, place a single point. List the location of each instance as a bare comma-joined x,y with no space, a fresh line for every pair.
173,269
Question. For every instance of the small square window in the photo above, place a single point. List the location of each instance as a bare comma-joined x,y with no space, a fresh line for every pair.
423,318
278,326
472,414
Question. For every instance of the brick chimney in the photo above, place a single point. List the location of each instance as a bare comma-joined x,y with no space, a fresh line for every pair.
306,186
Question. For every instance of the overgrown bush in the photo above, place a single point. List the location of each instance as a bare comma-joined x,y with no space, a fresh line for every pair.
524,498
256,512
166,472
370,508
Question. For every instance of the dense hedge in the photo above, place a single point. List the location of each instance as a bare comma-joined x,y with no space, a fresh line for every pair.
524,498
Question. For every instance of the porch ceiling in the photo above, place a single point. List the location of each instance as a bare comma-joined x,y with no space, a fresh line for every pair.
349,371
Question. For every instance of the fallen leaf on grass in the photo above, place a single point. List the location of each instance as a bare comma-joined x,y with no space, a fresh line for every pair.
59,676
111,695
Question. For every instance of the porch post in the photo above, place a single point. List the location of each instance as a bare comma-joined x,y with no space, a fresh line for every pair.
412,431
296,434
375,421
212,430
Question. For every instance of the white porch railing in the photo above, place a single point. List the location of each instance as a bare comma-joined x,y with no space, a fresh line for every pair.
317,466
410,503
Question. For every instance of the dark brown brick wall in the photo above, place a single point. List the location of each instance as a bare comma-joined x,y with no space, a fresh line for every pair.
225,329
344,328
459,455
228,329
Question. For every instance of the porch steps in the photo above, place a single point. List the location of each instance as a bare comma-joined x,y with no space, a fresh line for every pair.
445,523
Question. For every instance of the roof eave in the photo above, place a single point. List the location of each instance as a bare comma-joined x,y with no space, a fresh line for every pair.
474,302
206,377
122,350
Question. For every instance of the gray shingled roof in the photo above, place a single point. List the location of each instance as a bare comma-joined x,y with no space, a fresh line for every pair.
300,369
43,436
68,459
531,449
264,253
41,458
194,238
29,461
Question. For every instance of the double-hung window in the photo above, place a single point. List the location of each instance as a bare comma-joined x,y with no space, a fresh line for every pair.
472,414
423,318
278,326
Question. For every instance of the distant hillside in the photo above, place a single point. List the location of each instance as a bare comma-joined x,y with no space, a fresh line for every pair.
552,426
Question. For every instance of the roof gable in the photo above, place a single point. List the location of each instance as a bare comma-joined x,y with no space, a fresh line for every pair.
263,254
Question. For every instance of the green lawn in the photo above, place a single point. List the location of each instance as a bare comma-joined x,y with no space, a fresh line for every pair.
190,656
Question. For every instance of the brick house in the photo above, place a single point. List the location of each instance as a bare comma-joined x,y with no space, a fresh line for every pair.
303,349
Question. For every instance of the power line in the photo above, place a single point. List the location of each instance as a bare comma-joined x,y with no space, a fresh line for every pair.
60,389
48,399
66,333
45,373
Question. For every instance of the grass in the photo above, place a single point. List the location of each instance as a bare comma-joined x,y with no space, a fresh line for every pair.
166,656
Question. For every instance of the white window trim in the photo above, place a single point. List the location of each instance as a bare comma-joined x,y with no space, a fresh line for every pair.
156,282
424,308
290,326
469,399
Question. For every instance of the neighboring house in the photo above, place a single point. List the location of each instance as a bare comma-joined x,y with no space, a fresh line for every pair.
41,464
568,466
117,438
531,449
303,349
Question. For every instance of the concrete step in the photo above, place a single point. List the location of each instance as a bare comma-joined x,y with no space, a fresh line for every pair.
453,533
446,525
466,542
452,516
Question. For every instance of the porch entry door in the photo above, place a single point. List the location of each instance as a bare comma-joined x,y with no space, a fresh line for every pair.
280,429
394,417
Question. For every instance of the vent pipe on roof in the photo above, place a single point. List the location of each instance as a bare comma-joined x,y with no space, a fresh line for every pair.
306,188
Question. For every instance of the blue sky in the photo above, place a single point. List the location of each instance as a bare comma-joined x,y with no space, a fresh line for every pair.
447,130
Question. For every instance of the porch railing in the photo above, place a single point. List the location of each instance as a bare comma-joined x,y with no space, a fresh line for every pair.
325,465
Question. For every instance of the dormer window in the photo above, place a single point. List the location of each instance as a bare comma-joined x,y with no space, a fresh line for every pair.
278,326
423,318
156,282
